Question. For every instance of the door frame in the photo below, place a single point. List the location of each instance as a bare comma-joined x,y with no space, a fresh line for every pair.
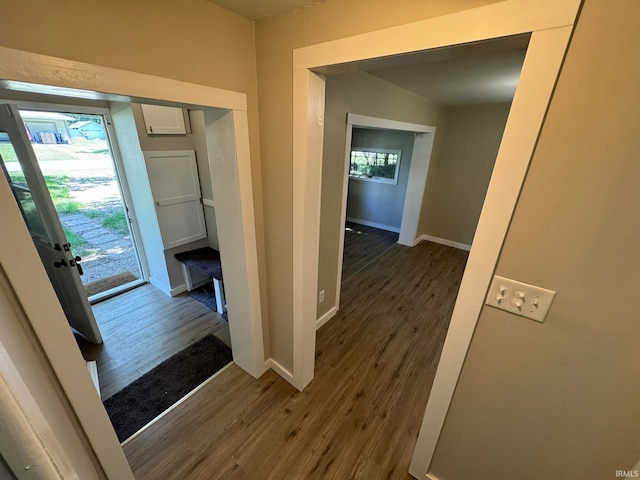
416,186
550,23
227,134
117,165
418,172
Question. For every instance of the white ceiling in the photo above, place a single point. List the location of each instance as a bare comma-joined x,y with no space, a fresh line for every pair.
486,79
255,9
484,72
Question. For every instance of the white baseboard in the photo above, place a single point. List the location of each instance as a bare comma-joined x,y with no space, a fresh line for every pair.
443,241
326,317
367,223
178,290
431,476
280,370
183,288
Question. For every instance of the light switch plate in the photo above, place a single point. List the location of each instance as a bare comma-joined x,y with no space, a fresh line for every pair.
520,298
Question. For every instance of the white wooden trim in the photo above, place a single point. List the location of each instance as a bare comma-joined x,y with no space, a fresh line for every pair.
416,186
178,290
326,317
32,72
443,241
343,211
551,23
367,223
280,370
508,18
26,71
227,135
221,302
539,73
357,120
308,121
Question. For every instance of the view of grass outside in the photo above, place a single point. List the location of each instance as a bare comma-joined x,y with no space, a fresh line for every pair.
79,173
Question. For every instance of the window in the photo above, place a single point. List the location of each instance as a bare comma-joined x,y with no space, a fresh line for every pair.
375,165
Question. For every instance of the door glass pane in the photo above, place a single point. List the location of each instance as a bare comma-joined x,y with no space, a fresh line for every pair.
10,160
13,171
30,212
73,153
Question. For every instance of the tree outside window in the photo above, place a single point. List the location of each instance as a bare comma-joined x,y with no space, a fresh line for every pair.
375,164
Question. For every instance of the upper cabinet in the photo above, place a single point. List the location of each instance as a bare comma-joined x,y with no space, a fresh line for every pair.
163,120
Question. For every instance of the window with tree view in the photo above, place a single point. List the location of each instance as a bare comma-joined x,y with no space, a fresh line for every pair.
375,164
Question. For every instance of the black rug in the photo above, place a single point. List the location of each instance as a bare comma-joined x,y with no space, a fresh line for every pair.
207,296
141,401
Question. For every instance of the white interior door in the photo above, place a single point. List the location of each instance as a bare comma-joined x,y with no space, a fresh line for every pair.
175,185
32,196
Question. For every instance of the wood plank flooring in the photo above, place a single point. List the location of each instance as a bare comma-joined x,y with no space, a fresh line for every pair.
359,418
362,245
142,328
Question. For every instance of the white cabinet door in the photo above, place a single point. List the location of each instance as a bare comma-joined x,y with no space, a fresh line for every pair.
173,176
163,120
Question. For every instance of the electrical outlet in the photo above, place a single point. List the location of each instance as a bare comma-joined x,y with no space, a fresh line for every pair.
321,296
520,298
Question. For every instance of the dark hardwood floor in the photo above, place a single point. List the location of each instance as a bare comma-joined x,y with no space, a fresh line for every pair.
362,245
142,328
359,417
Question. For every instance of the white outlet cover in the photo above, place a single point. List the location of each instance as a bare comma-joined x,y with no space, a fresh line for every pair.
522,299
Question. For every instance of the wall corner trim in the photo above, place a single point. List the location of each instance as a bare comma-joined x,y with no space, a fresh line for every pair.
326,317
443,241
280,370
379,226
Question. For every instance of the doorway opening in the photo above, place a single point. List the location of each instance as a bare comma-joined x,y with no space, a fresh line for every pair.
145,350
312,67
131,337
78,163
407,292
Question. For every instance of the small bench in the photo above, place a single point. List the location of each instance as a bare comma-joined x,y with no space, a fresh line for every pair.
207,261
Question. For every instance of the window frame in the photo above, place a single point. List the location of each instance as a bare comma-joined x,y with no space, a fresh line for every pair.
386,180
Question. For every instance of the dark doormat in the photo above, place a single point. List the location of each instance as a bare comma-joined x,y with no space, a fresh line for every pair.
108,283
143,400
207,297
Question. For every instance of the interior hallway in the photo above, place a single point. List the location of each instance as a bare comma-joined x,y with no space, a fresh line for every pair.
359,418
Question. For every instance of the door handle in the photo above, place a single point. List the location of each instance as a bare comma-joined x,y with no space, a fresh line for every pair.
76,262
80,270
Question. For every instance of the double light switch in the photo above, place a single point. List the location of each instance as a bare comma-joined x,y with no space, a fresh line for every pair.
520,298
